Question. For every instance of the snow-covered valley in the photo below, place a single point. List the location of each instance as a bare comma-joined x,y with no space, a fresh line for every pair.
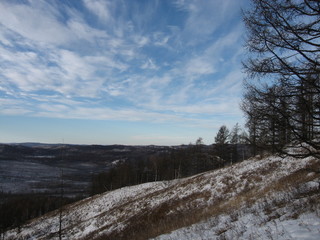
261,198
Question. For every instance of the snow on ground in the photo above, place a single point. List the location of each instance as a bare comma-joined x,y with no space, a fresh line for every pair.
251,201
260,221
305,226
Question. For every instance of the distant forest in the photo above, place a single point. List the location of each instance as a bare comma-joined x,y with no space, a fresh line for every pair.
177,163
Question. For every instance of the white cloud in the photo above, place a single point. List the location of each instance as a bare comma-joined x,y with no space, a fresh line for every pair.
13,107
106,62
32,22
23,69
62,71
54,108
100,8
230,40
205,17
103,113
221,106
83,31
140,41
199,66
230,85
39,21
149,64
160,39
14,111
4,33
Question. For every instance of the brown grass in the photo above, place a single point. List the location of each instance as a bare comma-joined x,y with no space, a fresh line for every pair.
182,212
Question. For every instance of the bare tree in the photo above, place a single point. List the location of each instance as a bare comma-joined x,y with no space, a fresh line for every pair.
61,203
283,70
61,198
222,135
235,134
221,143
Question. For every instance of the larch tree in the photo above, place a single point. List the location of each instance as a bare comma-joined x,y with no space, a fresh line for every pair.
282,99
221,143
222,135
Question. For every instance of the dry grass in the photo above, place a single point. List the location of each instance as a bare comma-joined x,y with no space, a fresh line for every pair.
182,212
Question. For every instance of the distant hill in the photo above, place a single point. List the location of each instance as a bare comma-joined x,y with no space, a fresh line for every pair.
35,144
260,198
37,167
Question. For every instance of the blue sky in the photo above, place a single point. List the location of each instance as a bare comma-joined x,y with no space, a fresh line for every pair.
119,71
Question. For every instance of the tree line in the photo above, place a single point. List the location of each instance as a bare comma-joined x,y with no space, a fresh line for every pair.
182,161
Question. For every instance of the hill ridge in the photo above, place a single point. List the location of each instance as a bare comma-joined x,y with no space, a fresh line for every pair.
152,209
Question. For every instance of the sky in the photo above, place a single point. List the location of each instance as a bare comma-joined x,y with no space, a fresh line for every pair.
133,72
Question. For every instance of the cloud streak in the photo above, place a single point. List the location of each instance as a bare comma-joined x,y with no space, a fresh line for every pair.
115,60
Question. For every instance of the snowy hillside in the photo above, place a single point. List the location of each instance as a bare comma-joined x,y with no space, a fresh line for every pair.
268,198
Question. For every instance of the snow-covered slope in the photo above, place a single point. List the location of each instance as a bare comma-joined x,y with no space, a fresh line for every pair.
280,216
254,199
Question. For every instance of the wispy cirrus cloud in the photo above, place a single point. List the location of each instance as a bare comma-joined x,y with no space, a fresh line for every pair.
206,18
102,9
158,61
29,21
